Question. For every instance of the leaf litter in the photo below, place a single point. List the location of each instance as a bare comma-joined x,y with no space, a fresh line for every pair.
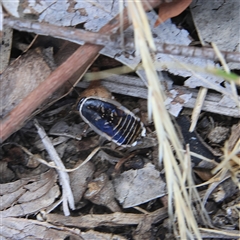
125,204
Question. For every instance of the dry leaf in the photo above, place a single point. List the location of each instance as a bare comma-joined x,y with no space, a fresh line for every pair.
100,191
79,179
135,187
19,228
218,22
171,9
21,77
28,195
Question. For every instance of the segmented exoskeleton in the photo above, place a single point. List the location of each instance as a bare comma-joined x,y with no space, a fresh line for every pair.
111,120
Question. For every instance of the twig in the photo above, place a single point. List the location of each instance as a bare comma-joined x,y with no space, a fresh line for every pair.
197,52
114,219
63,176
80,36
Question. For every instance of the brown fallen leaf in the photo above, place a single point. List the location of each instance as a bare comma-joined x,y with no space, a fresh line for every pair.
19,228
79,179
128,186
101,191
203,173
28,195
171,9
22,77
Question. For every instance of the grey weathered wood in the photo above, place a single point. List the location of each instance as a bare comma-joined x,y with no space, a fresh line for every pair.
134,86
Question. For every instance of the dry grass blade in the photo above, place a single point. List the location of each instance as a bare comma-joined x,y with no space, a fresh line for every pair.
231,159
227,69
177,175
203,92
50,165
230,163
231,233
198,107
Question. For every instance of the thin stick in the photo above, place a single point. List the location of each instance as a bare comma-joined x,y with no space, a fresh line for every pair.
63,176
80,36
197,52
109,220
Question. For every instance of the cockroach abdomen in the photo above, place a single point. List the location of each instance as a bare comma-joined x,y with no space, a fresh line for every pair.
110,119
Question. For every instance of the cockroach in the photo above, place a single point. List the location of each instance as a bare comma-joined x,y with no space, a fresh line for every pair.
110,119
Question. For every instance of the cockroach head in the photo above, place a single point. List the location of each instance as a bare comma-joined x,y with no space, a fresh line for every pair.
96,91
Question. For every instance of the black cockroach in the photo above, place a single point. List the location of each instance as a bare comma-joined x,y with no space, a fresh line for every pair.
111,120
